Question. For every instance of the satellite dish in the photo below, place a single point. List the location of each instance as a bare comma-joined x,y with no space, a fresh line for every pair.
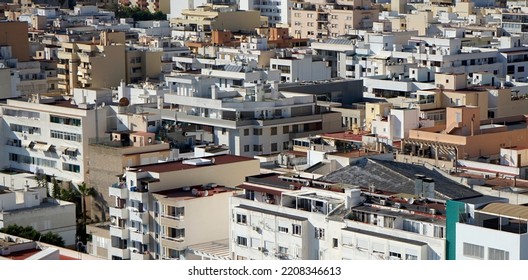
411,200
113,219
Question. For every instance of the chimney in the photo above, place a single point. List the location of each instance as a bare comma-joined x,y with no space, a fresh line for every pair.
418,185
353,198
213,92
428,187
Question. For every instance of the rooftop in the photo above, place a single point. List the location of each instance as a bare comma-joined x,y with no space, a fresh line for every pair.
396,177
191,193
179,165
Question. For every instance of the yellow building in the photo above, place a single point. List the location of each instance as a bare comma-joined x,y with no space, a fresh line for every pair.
207,19
98,64
375,109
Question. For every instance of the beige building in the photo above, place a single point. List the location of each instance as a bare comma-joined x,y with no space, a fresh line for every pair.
15,34
207,19
159,208
97,64
318,21
112,157
182,214
464,136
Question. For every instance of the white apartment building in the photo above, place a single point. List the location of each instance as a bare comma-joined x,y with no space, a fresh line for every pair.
20,78
277,11
486,228
159,208
50,136
301,68
283,218
31,207
249,116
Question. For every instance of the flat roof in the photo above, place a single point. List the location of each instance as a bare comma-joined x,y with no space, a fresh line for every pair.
180,194
385,236
506,209
179,165
270,212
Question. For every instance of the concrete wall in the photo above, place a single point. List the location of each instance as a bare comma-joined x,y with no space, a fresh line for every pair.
15,34
490,238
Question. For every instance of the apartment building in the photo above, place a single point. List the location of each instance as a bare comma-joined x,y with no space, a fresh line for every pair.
209,18
50,135
464,136
25,206
486,228
249,116
159,207
301,68
280,217
92,64
325,20
277,11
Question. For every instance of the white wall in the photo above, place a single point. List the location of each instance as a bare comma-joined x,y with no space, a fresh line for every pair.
514,243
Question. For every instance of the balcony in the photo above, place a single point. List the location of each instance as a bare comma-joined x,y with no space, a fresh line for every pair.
139,236
119,190
119,212
140,196
174,243
123,253
176,222
137,215
136,255
65,55
120,232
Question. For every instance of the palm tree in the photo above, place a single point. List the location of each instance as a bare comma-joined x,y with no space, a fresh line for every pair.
84,191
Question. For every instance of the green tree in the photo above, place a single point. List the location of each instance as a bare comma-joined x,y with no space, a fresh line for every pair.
84,191
55,188
29,232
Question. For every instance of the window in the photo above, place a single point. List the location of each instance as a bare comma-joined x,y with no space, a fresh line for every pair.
496,254
473,251
283,250
296,229
273,131
257,131
395,255
411,257
241,241
257,148
246,148
65,135
520,69
71,167
241,219
286,129
283,229
286,145
438,232
65,120
320,233
274,147
223,131
250,194
246,132
335,243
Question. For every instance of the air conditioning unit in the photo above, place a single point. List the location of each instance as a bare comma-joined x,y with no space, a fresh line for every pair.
397,205
262,249
382,202
432,211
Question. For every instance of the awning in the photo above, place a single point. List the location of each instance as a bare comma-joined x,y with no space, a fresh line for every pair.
27,143
42,146
62,149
